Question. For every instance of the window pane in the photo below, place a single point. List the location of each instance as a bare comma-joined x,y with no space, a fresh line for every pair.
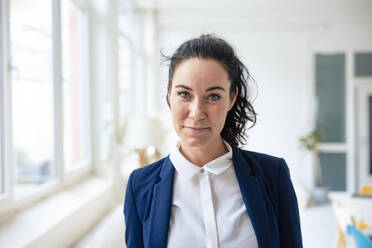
363,64
75,87
330,90
2,162
32,92
106,130
334,170
107,126
125,59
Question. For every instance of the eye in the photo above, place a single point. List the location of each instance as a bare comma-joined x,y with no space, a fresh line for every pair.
183,94
214,97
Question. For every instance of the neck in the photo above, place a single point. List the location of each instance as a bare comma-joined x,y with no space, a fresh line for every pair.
201,155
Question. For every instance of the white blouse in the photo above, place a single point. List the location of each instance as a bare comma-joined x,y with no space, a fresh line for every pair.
207,206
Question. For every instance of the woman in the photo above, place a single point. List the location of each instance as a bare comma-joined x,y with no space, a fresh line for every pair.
208,192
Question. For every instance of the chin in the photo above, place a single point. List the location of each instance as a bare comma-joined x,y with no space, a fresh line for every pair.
196,141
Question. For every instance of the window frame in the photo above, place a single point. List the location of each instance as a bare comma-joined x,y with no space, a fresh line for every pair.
337,147
5,198
2,102
128,39
363,88
85,70
349,147
355,67
8,201
2,95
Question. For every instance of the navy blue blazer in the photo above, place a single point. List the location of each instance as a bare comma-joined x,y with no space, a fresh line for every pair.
266,189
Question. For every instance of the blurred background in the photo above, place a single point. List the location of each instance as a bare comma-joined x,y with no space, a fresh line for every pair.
82,104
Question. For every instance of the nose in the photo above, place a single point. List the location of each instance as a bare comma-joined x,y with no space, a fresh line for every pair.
197,110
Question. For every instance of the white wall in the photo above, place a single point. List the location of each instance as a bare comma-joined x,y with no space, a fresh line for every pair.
277,46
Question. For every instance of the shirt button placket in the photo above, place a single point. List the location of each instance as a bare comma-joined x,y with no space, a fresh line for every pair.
208,209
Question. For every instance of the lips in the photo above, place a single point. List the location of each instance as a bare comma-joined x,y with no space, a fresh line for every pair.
197,130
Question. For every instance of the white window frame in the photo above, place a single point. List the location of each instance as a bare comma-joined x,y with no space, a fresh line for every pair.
8,202
363,91
350,146
5,198
85,67
361,86
337,147
2,96
129,40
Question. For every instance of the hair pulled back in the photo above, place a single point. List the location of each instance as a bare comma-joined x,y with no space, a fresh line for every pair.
208,46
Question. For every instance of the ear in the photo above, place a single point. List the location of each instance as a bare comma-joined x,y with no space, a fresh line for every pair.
233,99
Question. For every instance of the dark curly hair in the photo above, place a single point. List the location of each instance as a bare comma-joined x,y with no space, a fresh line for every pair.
209,46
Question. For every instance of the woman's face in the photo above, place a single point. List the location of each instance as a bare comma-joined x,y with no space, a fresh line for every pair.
199,101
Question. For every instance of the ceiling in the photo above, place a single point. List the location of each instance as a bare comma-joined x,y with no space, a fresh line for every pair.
248,4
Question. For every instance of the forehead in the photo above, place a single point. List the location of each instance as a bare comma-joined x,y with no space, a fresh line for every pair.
200,73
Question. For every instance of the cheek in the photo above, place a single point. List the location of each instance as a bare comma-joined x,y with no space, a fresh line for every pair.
218,117
178,111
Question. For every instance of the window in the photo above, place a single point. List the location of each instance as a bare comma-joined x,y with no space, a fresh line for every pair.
330,82
49,118
331,118
126,74
44,68
117,87
2,102
125,69
107,122
76,91
32,93
363,64
333,167
331,115
363,139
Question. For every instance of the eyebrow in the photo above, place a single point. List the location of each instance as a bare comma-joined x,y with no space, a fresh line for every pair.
209,89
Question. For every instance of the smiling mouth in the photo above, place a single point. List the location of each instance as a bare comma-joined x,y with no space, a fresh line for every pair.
197,129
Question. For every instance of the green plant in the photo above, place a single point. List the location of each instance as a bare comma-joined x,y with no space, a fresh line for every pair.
311,140
311,143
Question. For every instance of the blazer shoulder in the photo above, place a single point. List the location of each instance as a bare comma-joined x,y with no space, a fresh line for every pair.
148,175
262,158
268,164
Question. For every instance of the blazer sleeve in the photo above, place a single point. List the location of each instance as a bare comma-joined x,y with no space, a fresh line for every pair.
133,225
289,219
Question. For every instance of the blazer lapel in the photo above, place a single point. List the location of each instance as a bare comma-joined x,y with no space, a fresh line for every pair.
161,207
253,197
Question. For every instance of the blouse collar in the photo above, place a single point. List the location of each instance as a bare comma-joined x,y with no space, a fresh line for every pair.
187,170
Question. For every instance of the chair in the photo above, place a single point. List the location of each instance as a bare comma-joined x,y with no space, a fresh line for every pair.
343,219
360,240
362,225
